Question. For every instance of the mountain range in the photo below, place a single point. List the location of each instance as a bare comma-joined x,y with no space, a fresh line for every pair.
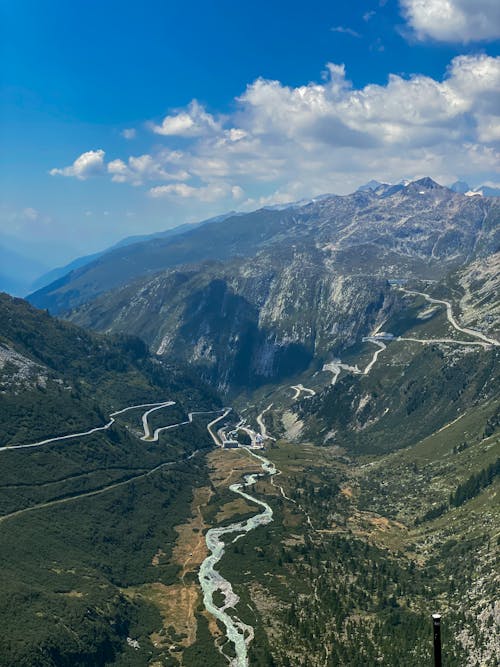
251,295
359,335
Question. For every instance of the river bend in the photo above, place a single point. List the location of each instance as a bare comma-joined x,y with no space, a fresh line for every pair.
237,632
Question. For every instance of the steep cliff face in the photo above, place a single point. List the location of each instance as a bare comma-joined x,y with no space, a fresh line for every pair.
480,284
248,322
260,296
424,224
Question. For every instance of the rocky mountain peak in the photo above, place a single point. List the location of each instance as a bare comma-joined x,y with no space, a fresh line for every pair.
425,183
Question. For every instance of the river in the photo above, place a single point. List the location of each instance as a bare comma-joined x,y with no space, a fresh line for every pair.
237,632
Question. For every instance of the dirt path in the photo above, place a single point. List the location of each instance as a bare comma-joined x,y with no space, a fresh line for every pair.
262,426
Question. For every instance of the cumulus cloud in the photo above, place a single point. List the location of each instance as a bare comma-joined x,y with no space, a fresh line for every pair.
319,137
143,168
282,143
453,20
205,193
88,164
193,122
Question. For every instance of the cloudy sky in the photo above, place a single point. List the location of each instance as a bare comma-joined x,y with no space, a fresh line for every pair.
128,117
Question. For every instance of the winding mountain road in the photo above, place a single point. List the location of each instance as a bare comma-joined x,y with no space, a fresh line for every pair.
213,435
299,389
147,436
211,581
189,420
381,347
431,341
61,438
237,632
336,365
452,320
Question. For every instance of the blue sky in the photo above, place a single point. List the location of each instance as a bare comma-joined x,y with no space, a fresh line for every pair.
125,117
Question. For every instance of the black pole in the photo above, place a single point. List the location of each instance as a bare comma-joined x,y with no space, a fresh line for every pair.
436,622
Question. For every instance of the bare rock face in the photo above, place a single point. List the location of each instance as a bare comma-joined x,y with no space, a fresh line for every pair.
256,297
249,322
480,282
17,372
422,225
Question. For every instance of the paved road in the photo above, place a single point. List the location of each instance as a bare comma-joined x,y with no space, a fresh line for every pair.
147,436
381,346
299,389
189,420
429,341
451,318
213,422
61,438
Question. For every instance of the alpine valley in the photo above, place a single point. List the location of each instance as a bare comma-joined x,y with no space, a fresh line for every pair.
271,438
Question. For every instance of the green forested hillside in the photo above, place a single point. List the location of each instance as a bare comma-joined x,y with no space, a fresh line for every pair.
81,518
58,378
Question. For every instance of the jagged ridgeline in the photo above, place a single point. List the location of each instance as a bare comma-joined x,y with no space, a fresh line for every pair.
81,517
254,298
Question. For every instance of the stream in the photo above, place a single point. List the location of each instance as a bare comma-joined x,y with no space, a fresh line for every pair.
237,632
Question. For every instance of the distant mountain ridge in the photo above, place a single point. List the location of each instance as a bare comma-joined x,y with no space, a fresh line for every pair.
387,443
60,272
458,186
50,280
245,234
17,269
258,296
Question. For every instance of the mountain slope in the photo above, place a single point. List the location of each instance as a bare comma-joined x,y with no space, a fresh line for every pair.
359,334
317,280
17,270
82,517
57,274
80,375
246,322
422,223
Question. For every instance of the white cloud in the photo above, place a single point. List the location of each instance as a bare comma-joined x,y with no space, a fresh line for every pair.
143,168
88,164
345,31
282,143
205,193
128,133
237,192
453,20
193,122
31,214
